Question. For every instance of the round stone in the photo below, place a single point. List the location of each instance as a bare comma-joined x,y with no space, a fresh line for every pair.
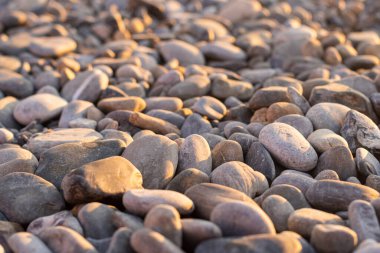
288,146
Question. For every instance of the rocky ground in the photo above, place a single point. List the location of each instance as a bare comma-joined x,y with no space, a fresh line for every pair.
206,126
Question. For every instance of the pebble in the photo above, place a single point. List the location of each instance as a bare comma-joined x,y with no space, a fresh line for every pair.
95,220
299,122
280,109
95,181
60,239
303,221
195,231
291,193
278,209
40,107
363,220
360,131
74,110
240,219
7,105
288,146
131,103
255,243
86,86
223,88
17,160
171,117
301,180
333,238
21,191
186,179
185,53
56,162
26,242
120,241
338,159
210,107
52,46
40,143
324,139
195,153
146,240
141,201
236,175
64,218
6,136
159,162
206,196
165,220
226,151
192,86
14,84
260,160
328,116
172,104
334,196
222,51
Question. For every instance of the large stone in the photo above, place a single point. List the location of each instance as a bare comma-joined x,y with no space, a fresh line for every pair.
103,180
156,157
56,162
41,107
20,191
288,147
324,139
328,115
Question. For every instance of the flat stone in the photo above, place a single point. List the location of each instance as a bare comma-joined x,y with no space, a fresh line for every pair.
223,51
192,86
156,157
22,191
334,196
102,180
301,180
52,46
40,143
40,107
131,103
288,146
210,107
247,9
139,202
